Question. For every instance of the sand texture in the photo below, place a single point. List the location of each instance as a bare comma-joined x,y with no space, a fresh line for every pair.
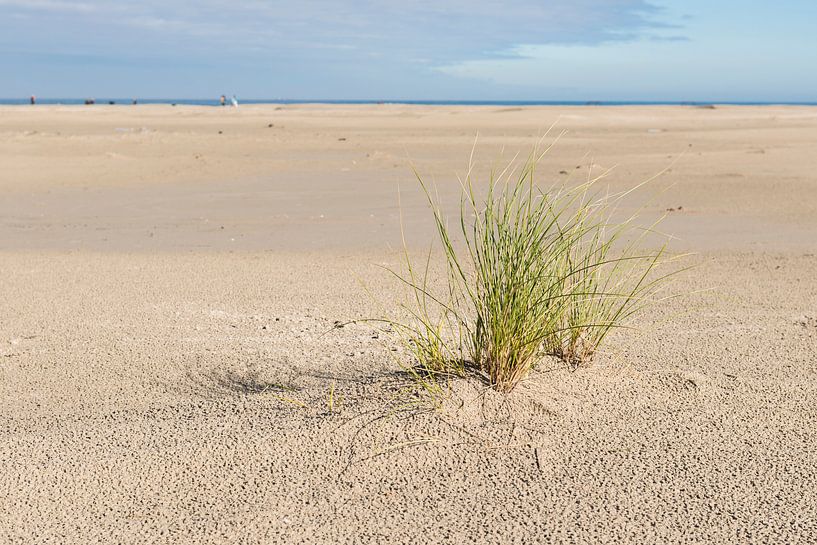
171,370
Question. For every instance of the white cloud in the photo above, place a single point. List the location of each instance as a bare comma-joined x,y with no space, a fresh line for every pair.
309,47
439,30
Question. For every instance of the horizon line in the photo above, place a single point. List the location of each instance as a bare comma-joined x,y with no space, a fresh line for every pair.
422,101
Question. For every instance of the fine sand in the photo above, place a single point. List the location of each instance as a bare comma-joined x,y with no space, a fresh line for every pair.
170,369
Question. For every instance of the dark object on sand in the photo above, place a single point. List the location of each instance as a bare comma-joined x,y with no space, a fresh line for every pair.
33,100
111,102
89,101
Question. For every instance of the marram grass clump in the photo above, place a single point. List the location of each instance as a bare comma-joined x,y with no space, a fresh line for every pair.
531,273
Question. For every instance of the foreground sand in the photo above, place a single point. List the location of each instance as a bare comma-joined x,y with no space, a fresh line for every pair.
167,347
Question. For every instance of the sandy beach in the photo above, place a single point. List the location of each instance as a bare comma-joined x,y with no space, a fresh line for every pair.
170,369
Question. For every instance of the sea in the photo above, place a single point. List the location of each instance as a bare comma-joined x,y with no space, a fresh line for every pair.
215,102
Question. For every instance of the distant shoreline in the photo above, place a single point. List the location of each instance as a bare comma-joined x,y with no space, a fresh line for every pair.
215,102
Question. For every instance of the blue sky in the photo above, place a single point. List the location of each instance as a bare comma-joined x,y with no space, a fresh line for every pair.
404,49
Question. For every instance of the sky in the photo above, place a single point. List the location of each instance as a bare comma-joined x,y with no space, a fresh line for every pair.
666,50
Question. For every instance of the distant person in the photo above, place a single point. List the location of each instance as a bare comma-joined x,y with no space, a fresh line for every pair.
223,100
134,102
234,101
33,100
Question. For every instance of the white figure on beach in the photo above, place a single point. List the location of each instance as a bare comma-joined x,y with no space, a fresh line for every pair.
234,101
